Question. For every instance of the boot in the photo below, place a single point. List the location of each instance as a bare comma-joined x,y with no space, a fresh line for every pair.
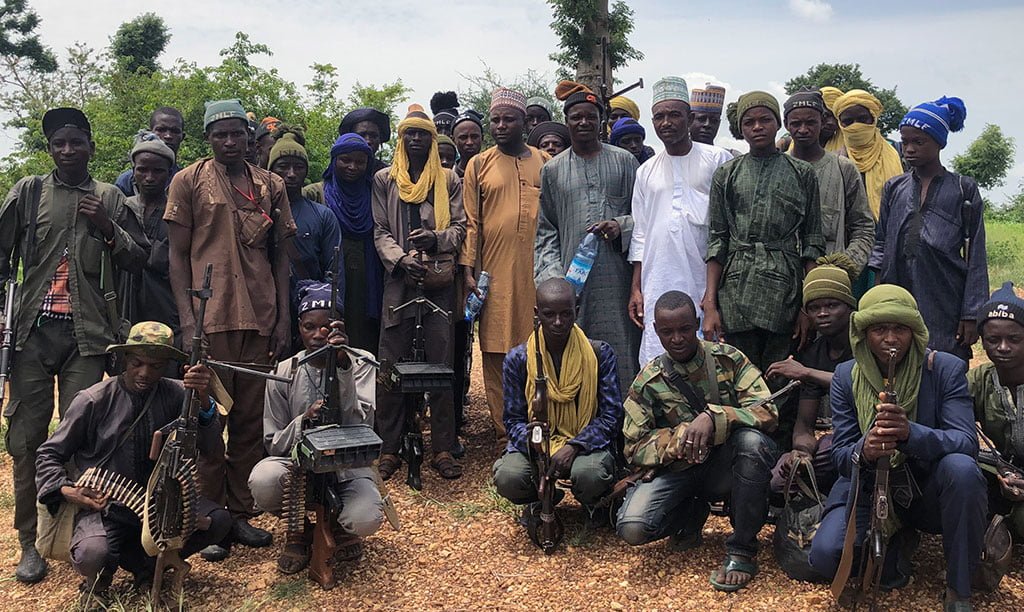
247,535
32,568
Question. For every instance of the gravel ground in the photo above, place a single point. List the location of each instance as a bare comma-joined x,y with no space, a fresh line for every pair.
461,549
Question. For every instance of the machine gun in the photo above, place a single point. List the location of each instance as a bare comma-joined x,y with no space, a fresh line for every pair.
606,98
169,514
414,378
7,342
545,528
324,447
876,542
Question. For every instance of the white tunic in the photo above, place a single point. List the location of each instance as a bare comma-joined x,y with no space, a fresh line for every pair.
670,233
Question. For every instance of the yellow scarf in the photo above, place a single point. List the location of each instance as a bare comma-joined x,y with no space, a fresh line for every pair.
433,174
572,397
874,156
830,95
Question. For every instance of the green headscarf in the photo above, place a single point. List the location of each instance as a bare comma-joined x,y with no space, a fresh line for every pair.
886,304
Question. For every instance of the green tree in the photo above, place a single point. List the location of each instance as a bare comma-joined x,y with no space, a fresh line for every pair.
138,43
593,41
19,39
988,159
847,77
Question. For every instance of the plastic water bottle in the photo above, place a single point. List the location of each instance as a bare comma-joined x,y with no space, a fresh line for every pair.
476,302
582,262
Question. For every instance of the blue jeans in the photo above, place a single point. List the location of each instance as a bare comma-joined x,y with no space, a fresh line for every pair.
739,470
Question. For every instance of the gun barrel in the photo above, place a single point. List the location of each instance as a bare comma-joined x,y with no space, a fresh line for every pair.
7,343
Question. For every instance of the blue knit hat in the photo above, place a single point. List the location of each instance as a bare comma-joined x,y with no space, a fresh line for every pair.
938,118
313,295
1004,304
624,127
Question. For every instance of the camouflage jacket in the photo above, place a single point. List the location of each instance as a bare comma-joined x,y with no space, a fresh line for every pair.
657,415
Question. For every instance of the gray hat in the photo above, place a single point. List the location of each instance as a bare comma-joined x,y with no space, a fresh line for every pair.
217,110
148,142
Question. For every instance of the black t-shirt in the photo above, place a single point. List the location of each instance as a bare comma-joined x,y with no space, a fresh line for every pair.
816,357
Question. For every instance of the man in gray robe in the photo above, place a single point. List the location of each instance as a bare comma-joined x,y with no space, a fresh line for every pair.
589,188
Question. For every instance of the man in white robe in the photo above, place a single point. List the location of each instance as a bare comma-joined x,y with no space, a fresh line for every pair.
670,213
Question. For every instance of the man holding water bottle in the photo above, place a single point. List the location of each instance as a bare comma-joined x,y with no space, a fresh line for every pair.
589,189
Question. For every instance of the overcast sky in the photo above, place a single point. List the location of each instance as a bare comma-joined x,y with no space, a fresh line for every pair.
926,48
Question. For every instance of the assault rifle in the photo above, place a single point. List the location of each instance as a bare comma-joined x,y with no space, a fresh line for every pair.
7,342
545,528
169,514
606,98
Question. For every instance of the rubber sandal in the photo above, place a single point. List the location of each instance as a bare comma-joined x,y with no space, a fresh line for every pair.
387,465
446,466
733,564
294,558
349,548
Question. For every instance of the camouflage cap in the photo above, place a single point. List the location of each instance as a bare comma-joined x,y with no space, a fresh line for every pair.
152,339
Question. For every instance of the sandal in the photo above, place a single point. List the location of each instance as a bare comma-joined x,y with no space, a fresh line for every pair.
733,564
446,466
294,556
348,547
387,465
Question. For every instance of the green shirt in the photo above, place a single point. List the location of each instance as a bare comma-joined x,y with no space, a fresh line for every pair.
657,415
60,225
990,404
765,221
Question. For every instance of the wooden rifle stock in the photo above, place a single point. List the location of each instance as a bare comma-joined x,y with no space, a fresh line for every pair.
546,531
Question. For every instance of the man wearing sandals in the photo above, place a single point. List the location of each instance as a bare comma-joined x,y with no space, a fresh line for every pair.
927,435
584,405
290,407
705,442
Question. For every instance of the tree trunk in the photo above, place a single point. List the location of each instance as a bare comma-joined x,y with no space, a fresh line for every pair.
596,70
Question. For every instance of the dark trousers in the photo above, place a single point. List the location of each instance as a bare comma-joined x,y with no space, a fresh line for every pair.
224,473
738,470
396,345
49,351
952,503
761,346
102,542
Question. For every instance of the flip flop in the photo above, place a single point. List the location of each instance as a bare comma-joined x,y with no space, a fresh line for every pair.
446,466
733,564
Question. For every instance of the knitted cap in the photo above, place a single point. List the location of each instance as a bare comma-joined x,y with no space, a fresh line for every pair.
504,97
754,99
938,118
710,100
217,110
624,103
1004,304
148,142
805,99
670,88
828,282
287,145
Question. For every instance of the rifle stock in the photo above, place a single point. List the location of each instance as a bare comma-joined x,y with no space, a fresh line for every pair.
877,540
547,530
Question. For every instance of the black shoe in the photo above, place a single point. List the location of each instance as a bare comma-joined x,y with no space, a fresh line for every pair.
692,534
216,552
247,535
32,568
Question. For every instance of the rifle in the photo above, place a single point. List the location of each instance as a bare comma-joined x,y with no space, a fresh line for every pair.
7,342
606,98
545,530
876,543
646,474
169,515
991,457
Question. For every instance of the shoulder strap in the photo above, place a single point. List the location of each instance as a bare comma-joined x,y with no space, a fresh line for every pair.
479,216
697,402
966,206
35,194
124,434
711,371
110,296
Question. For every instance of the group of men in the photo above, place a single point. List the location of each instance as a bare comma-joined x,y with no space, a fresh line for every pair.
718,277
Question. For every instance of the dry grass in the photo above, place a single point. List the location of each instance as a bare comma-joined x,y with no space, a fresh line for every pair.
461,549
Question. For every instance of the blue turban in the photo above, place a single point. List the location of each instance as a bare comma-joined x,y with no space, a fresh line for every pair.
313,295
938,118
624,127
351,204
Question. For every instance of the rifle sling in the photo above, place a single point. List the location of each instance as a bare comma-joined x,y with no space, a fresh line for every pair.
842,576
124,434
697,402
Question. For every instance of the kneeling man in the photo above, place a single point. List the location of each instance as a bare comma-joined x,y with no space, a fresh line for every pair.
696,415
289,408
110,425
584,404
927,435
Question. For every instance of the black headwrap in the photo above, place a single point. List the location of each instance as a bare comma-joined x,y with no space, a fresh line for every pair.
348,123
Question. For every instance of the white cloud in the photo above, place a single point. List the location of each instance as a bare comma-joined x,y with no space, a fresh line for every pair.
813,10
